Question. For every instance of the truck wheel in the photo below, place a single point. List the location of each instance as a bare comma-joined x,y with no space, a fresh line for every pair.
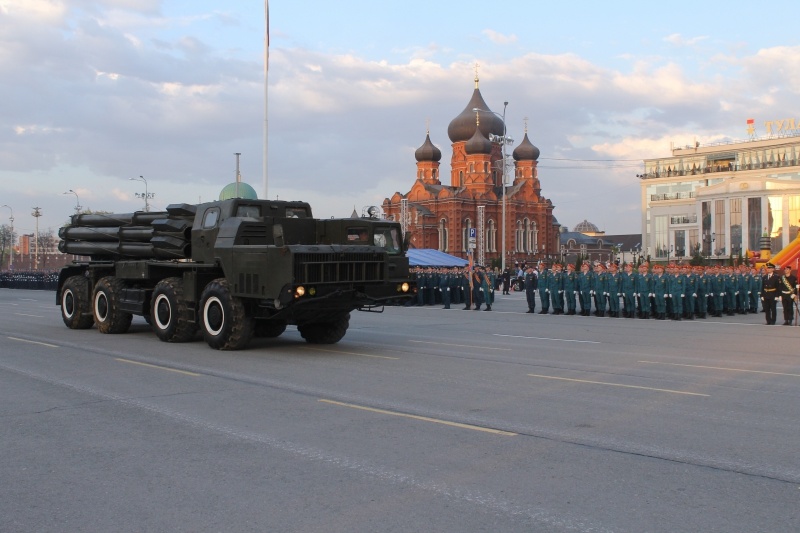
269,328
75,308
325,332
107,314
169,312
225,323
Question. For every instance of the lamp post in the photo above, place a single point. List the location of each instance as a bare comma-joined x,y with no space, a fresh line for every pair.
77,201
11,252
146,196
505,139
37,212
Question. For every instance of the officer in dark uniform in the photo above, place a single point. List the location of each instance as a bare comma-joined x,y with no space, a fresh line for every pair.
771,289
530,289
788,294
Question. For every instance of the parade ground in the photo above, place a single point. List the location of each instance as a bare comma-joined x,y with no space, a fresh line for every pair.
420,419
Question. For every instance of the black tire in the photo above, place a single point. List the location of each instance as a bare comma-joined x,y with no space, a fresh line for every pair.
169,314
76,312
329,332
223,318
105,306
269,328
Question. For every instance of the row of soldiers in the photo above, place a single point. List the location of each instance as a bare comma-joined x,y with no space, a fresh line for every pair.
676,292
43,280
448,286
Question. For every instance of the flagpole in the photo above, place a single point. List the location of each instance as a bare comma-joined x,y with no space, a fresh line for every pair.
266,100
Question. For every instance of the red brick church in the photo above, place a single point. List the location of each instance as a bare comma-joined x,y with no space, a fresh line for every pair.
440,216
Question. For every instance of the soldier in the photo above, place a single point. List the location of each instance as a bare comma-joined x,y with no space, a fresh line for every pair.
770,290
742,299
701,289
660,290
466,288
544,291
717,291
729,300
556,285
644,291
614,290
487,288
477,288
689,291
444,288
585,289
788,294
421,285
600,290
570,288
530,289
627,286
676,294
491,281
755,289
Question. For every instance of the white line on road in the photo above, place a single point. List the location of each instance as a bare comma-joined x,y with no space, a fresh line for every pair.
544,338
33,342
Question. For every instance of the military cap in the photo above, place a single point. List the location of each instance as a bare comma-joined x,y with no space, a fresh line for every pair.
770,265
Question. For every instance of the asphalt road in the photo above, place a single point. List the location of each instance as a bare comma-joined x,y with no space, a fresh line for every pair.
420,419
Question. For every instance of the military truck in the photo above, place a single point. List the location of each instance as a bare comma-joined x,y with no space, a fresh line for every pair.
233,269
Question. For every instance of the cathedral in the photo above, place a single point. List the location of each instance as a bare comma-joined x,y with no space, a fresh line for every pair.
442,216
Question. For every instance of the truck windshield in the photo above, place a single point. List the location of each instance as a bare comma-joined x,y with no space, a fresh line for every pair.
388,238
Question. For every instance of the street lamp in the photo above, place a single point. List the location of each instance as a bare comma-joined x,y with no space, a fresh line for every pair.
505,139
77,201
146,196
11,252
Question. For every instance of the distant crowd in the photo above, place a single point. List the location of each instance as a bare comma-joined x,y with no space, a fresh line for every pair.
43,280
674,291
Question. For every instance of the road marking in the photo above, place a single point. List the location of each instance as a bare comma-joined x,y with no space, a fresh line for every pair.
156,366
723,368
33,342
34,316
352,353
544,338
423,418
618,385
462,345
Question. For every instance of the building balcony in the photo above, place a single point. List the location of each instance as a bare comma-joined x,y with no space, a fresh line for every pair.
672,196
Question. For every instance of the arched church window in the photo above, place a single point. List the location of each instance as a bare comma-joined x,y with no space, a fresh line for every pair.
443,235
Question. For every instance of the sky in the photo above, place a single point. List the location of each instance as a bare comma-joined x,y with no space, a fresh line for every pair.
96,93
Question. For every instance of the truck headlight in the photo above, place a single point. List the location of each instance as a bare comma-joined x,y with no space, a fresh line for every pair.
403,287
299,291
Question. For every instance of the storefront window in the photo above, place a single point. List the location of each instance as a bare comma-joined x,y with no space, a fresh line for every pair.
794,216
775,221
706,208
736,226
754,228
719,227
662,237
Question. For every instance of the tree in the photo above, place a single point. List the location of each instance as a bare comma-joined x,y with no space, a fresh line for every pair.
697,256
6,245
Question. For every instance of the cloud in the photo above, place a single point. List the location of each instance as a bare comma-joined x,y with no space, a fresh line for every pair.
499,38
676,39
96,99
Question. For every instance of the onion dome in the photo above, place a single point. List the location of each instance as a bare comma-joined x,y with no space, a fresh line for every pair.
238,190
463,126
478,143
526,151
428,152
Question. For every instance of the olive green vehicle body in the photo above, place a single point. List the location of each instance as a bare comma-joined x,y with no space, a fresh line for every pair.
279,264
